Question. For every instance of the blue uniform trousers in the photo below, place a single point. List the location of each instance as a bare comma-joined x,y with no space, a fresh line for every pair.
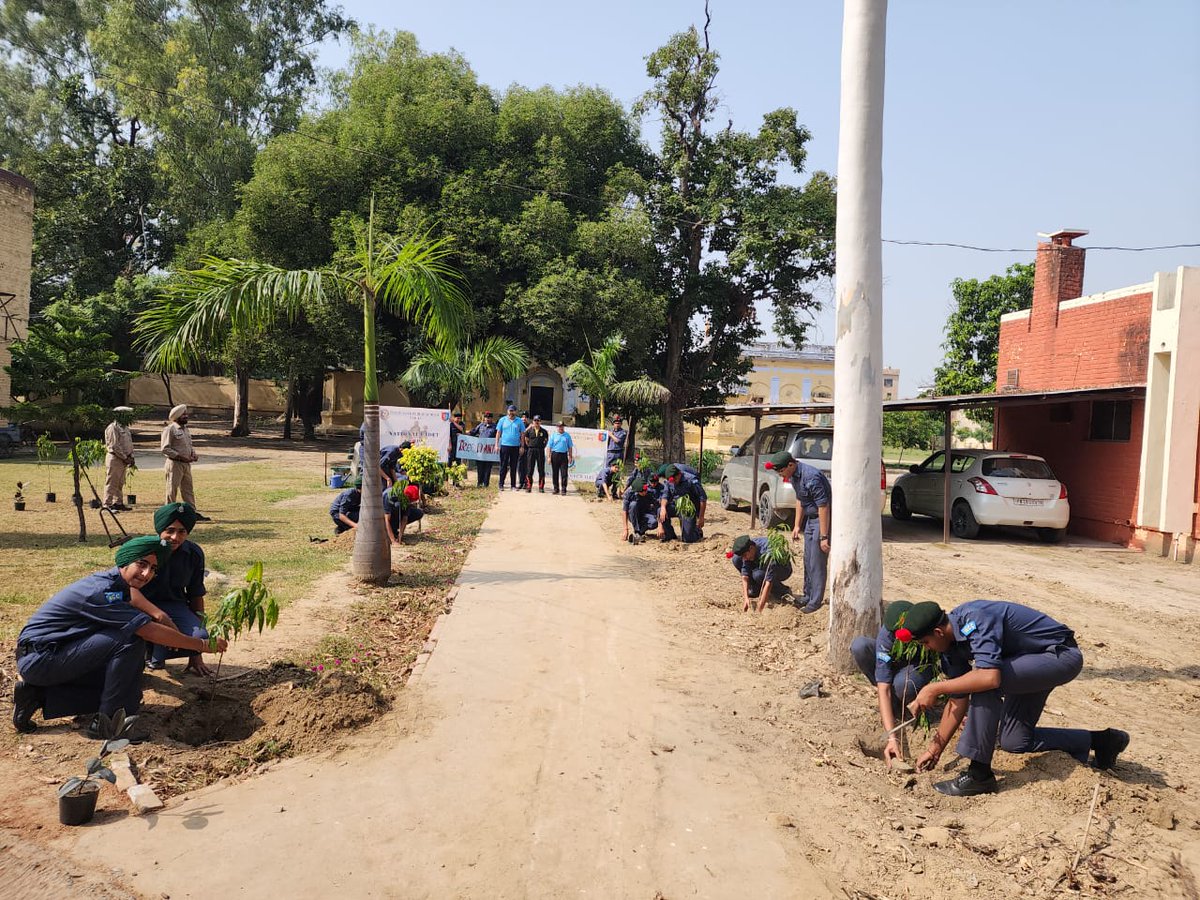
688,528
906,683
187,622
644,523
1009,715
780,574
509,462
102,671
816,564
411,515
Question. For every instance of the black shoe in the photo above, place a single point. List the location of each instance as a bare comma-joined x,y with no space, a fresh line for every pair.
200,518
809,608
1109,744
556,492
27,700
967,785
635,539
134,735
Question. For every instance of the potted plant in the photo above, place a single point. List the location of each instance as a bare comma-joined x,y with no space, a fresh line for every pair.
86,454
130,499
77,796
19,497
46,454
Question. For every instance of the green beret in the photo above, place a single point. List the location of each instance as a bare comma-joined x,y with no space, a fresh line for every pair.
779,460
135,548
183,513
923,618
893,613
637,484
669,470
741,544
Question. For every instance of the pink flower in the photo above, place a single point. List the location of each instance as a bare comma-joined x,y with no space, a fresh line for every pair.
320,668
337,662
354,659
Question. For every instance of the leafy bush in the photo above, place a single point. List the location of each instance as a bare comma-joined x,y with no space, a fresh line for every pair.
707,465
421,466
457,473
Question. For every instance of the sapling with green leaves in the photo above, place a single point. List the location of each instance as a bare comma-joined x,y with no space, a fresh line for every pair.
457,473
47,452
242,609
685,507
779,547
924,660
644,464
112,730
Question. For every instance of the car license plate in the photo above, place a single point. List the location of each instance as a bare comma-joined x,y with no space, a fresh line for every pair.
1025,501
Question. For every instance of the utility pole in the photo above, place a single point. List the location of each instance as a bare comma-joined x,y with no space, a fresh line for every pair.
856,551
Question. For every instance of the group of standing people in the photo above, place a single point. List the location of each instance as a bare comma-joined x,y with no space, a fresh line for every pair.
175,443
523,443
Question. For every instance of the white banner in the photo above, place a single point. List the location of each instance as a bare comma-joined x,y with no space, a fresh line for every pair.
424,427
477,448
591,447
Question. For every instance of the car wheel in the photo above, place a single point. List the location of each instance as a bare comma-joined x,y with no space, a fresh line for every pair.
727,501
1050,535
962,521
900,508
766,509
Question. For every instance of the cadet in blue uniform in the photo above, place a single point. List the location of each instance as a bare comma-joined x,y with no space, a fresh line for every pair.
178,588
814,497
617,436
389,459
896,681
680,483
344,509
397,515
562,454
639,511
82,651
483,468
1001,661
606,479
759,579
508,433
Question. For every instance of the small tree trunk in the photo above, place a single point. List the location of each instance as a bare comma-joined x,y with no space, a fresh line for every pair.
371,560
632,438
672,433
166,380
309,403
289,408
78,490
241,404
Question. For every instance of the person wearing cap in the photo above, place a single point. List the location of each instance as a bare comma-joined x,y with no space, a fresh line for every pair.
178,589
814,498
562,454
456,428
176,446
1001,661
680,483
118,457
897,675
389,459
509,432
617,436
400,509
82,651
639,511
606,479
483,468
759,577
345,507
536,438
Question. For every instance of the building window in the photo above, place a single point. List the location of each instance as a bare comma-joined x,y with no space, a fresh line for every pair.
887,382
1111,420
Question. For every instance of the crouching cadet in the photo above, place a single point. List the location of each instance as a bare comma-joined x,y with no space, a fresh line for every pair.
639,510
400,510
759,577
82,651
345,507
178,588
897,672
682,482
1001,661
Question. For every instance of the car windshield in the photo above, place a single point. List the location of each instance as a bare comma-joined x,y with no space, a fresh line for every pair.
1016,467
813,446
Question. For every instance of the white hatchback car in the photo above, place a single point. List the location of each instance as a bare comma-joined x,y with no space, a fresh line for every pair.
987,487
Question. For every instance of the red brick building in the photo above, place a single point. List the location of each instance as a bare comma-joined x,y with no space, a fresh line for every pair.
1132,475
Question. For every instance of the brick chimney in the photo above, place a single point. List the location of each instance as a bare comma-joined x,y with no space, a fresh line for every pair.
1058,276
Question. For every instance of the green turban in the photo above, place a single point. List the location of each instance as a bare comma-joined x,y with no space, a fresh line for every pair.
893,612
183,513
779,460
741,544
135,548
923,618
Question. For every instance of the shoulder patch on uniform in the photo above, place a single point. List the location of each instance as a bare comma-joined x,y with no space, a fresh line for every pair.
969,628
883,657
114,596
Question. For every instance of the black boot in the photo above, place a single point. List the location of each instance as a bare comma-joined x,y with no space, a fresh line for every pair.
27,699
1108,745
978,779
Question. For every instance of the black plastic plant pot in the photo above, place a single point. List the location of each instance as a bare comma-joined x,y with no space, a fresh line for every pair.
19,505
51,497
131,499
94,504
78,808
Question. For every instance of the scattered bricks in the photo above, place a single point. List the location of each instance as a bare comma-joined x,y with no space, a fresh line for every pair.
144,799
123,769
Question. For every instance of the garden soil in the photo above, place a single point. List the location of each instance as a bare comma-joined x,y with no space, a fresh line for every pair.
604,720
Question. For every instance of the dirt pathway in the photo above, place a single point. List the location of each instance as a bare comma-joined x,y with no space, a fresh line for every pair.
557,743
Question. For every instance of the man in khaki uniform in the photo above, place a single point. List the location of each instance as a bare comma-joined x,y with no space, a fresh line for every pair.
176,446
118,443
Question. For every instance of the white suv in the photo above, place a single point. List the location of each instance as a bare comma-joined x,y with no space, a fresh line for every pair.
776,499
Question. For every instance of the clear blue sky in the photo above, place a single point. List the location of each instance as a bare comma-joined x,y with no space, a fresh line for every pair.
1002,119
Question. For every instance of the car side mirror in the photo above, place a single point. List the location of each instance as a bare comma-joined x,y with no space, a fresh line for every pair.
914,469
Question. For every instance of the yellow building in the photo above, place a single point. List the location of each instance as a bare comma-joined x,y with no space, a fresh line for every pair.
16,251
781,375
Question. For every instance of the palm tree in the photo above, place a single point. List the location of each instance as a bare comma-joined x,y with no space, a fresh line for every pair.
460,375
410,278
597,377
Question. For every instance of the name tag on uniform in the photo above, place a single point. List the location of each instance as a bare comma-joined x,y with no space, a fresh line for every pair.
882,657
969,628
114,597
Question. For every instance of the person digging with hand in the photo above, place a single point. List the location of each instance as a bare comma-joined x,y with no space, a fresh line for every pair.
759,579
814,499
83,650
178,590
1001,661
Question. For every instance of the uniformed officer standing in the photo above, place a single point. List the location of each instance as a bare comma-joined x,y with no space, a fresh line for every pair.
617,436
345,507
814,497
483,468
1001,661
639,511
536,439
562,454
523,473
759,578
118,457
178,589
176,446
456,428
82,651
679,483
509,431
896,680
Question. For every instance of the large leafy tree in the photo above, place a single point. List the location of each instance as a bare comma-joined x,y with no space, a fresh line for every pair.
597,375
730,233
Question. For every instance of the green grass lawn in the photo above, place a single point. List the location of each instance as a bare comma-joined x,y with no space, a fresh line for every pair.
261,511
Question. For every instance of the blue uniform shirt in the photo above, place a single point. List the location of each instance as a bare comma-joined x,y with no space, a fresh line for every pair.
811,487
643,504
685,485
181,580
988,631
560,443
484,430
509,431
616,441
346,504
96,602
746,568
